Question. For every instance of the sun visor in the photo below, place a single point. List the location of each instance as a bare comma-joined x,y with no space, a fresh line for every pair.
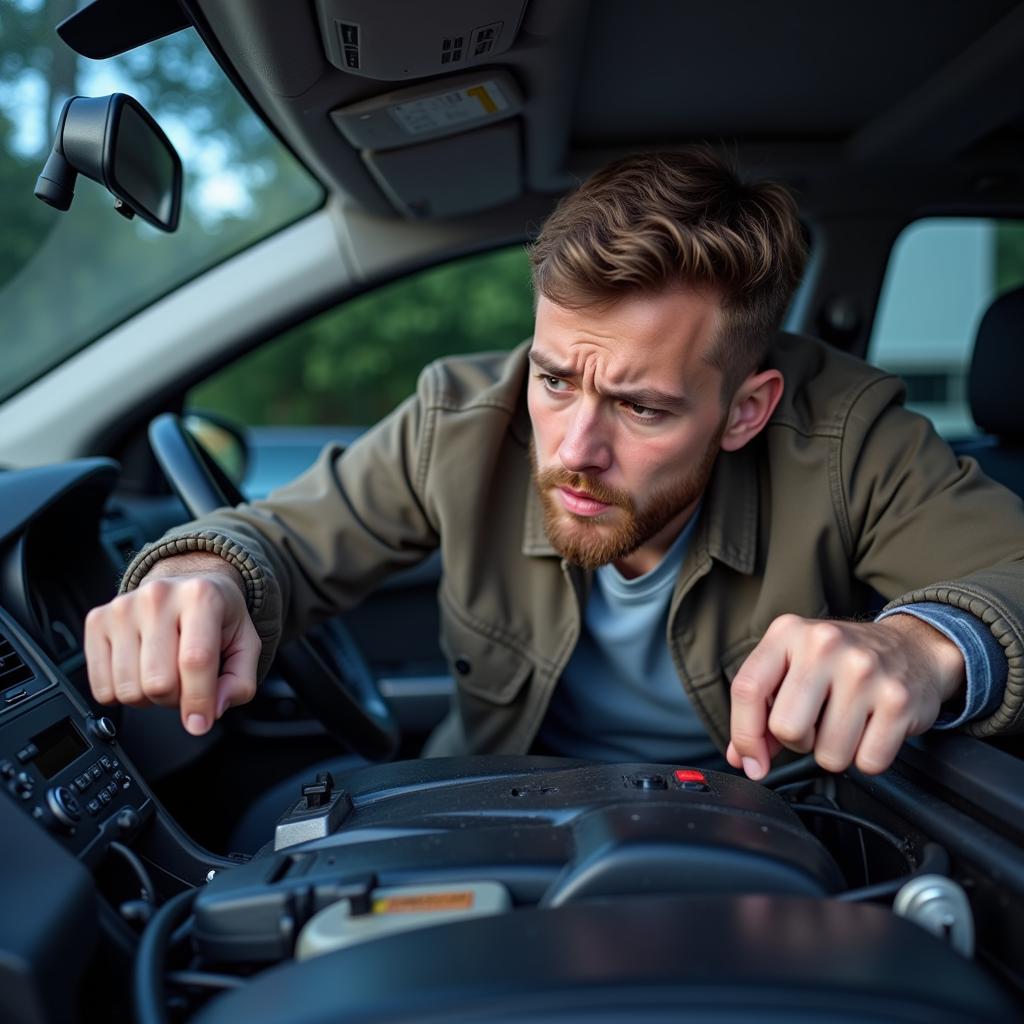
423,112
391,42
452,176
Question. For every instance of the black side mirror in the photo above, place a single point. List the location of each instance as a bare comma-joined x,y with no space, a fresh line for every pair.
114,140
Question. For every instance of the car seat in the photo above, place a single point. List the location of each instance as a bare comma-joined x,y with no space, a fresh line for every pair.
995,390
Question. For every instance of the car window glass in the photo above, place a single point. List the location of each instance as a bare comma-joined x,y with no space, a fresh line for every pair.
67,278
942,276
334,375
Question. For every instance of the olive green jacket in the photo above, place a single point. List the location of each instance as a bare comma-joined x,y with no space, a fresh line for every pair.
843,493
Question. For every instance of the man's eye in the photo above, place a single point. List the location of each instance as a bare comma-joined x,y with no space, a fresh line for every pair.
642,412
552,383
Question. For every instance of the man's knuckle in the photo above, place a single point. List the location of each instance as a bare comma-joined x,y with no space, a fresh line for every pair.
152,596
197,658
786,729
747,689
783,623
862,663
893,698
825,635
159,684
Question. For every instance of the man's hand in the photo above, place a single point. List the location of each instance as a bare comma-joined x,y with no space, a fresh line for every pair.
183,637
851,692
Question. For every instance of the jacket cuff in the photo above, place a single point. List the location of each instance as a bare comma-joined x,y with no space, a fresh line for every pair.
260,587
984,660
1008,716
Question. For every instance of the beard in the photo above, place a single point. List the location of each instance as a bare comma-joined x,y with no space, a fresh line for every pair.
593,541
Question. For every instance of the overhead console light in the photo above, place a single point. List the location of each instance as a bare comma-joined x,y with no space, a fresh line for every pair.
413,39
432,111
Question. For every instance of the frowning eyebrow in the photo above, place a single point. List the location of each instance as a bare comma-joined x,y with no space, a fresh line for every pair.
649,398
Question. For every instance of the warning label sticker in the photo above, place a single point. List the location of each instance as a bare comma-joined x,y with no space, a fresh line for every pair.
424,903
459,106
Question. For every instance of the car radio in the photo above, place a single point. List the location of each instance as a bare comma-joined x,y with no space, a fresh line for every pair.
62,764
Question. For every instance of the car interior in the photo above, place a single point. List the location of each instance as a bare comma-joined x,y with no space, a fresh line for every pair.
300,862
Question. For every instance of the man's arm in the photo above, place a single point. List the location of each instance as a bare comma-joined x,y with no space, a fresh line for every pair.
911,513
236,580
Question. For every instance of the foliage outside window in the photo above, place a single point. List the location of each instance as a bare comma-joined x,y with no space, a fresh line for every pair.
355,363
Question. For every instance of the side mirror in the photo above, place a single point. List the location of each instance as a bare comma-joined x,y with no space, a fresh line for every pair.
114,141
223,440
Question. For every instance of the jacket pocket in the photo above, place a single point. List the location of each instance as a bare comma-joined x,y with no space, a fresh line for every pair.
482,666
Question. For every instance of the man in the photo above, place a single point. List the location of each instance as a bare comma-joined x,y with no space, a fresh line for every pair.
649,519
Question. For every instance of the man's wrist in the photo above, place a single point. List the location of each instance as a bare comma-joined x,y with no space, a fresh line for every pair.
987,664
949,674
195,563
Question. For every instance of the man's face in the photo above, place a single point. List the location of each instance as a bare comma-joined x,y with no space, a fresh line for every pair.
627,420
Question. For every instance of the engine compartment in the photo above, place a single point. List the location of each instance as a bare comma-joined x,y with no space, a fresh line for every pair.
540,887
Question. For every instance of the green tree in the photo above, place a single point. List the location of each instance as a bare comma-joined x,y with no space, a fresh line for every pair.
355,363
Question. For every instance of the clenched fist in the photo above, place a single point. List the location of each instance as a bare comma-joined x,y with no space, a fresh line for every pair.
183,638
851,692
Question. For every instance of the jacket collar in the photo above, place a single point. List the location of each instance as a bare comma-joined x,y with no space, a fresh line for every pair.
728,519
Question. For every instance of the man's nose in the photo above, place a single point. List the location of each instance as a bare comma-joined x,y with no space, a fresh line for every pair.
585,448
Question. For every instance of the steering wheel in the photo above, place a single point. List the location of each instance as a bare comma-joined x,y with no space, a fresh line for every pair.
325,667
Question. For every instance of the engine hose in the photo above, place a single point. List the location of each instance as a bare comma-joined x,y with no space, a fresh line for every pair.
149,989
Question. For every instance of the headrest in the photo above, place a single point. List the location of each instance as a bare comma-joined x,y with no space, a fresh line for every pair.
995,387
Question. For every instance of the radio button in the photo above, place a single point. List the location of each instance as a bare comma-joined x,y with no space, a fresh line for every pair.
65,807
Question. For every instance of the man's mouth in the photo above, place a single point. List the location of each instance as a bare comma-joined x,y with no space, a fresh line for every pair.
580,503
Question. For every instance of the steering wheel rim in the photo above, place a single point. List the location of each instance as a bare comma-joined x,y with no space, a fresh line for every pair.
325,667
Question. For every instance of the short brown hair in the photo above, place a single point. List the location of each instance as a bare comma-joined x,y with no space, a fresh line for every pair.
653,221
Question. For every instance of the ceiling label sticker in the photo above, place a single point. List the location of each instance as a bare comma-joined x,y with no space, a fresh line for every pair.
456,107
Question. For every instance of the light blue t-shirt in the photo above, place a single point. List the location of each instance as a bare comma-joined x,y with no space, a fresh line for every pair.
620,697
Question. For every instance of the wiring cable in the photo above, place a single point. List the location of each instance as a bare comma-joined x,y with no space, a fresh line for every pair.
132,859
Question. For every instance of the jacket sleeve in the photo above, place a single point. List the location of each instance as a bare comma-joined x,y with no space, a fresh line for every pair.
321,543
923,525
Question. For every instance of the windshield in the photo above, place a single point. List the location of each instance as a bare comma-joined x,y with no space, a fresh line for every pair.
67,278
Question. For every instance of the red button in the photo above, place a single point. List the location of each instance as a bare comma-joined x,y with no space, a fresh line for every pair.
689,775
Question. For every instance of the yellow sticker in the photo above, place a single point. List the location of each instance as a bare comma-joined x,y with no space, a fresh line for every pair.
424,903
481,93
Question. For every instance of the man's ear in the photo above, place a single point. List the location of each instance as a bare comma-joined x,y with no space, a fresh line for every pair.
751,408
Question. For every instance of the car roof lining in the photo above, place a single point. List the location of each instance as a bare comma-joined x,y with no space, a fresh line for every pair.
908,110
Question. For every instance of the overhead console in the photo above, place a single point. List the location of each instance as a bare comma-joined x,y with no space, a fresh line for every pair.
389,42
450,147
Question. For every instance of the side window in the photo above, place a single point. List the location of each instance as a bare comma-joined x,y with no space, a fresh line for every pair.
941,278
340,372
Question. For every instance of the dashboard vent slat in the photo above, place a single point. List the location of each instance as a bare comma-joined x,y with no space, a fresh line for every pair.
13,670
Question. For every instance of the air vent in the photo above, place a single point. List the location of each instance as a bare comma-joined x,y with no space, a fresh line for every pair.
13,670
